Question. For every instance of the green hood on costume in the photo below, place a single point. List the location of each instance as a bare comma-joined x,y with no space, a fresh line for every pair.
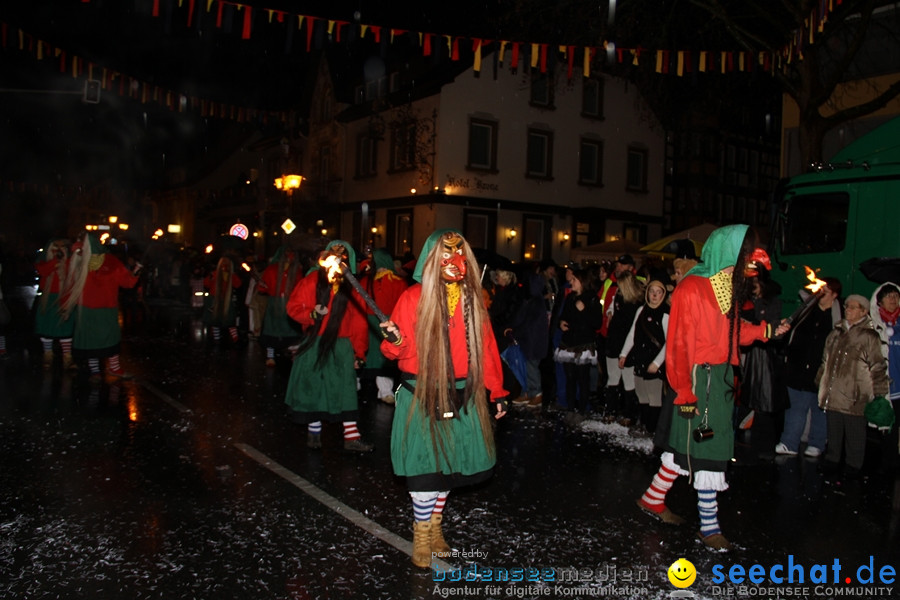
96,246
426,250
720,251
382,259
351,253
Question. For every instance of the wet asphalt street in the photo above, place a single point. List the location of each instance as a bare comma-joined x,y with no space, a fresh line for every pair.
189,482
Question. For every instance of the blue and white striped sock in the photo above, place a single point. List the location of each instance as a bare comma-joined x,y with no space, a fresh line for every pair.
315,428
423,504
709,512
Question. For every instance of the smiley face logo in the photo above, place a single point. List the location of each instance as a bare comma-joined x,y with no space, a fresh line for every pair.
682,573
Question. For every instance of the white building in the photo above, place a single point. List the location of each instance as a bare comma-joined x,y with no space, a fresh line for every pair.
524,164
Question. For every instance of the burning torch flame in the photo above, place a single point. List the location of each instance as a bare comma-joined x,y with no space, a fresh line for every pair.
815,284
333,264
245,266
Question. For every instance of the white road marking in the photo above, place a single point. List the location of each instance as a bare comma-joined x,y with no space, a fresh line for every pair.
165,397
354,516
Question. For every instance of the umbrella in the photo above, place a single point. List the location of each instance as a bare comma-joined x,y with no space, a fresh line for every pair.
607,251
681,242
881,270
492,259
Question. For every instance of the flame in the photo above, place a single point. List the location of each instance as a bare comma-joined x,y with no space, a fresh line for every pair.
245,266
815,284
333,264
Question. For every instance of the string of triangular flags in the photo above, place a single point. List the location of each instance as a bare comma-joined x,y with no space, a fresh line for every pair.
678,62
127,86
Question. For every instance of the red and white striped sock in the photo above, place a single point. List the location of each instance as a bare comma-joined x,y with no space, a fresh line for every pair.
66,344
113,364
350,431
439,503
655,497
234,333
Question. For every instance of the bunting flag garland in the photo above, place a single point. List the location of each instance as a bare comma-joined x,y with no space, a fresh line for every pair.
667,60
130,87
814,24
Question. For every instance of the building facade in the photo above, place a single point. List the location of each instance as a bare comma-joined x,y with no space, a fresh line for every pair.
525,164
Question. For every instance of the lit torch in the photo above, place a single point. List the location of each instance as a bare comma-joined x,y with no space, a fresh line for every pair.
814,287
334,265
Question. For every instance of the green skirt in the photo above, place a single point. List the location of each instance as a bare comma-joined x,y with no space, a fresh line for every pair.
47,321
715,453
97,333
325,392
462,459
374,358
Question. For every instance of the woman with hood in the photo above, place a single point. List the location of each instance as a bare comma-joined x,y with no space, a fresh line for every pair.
385,287
90,298
322,385
705,331
885,313
48,323
645,348
451,376
277,281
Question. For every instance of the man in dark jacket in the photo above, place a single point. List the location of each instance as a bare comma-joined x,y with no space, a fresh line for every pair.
803,359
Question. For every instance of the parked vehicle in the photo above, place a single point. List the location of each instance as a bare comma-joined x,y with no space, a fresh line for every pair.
841,219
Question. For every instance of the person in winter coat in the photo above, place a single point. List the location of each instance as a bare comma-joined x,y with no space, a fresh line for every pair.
705,330
49,325
885,312
853,373
645,348
452,381
803,357
580,318
621,404
530,327
322,384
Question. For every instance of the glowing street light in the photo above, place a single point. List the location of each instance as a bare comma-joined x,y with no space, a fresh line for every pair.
288,183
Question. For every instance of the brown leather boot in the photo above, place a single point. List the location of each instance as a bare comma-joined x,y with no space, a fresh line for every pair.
438,544
421,554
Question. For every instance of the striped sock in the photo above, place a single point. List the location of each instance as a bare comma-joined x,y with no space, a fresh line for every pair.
47,344
270,352
234,333
66,344
709,512
113,364
217,334
94,366
655,496
423,504
440,502
315,427
350,431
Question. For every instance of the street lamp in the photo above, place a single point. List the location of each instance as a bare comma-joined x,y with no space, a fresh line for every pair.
289,183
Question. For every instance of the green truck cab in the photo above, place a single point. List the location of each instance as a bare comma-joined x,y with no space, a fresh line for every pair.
843,215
